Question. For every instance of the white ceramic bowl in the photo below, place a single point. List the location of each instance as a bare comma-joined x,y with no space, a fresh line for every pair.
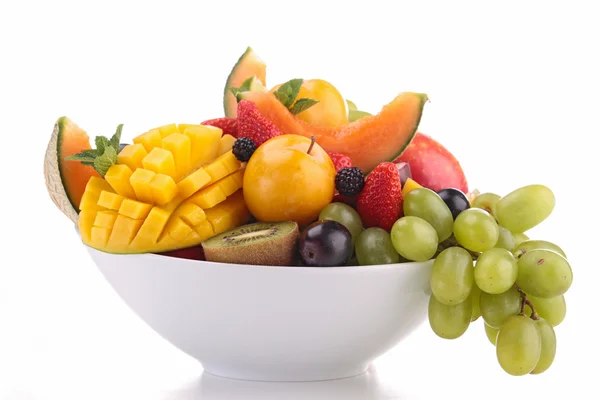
273,323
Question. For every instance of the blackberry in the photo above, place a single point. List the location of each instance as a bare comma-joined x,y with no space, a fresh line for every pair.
349,181
243,148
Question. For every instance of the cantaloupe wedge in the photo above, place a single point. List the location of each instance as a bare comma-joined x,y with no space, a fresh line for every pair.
66,180
247,66
368,141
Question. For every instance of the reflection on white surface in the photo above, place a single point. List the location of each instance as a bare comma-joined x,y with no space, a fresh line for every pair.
365,386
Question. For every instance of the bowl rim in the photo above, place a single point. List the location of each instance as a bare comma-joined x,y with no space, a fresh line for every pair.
282,268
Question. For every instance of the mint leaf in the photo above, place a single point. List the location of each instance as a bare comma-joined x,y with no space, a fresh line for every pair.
101,144
244,87
302,105
105,161
115,140
84,156
288,92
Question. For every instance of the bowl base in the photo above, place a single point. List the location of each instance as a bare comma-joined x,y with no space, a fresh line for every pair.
282,375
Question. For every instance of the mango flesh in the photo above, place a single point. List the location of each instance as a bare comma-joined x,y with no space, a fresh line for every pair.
173,188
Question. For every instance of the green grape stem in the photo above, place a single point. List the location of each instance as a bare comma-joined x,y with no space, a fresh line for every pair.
526,301
451,242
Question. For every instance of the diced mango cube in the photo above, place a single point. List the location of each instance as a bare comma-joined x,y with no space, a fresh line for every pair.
110,200
105,219
216,169
89,201
123,232
176,229
182,127
230,162
85,224
99,236
191,214
167,130
226,144
119,178
238,177
164,189
229,214
204,230
173,204
134,209
140,181
193,182
180,146
151,228
205,143
160,161
132,156
149,140
208,197
229,185
96,185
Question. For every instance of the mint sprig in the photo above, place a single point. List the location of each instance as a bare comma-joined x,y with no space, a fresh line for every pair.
104,155
244,87
287,94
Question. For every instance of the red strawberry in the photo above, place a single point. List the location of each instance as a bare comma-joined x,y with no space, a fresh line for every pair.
228,125
380,202
253,125
340,161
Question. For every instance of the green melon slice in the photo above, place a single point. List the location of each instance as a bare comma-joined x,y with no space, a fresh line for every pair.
66,180
248,65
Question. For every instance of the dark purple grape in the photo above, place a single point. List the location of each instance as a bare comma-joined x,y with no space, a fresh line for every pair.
325,244
456,200
404,172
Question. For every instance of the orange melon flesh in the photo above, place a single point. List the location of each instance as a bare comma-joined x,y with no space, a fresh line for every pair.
159,212
75,176
248,65
367,141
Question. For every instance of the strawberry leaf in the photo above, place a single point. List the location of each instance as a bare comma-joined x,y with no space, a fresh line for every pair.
302,105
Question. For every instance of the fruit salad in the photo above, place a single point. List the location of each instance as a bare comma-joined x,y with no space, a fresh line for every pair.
297,175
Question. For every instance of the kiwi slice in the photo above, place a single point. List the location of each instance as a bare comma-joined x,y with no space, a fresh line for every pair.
259,243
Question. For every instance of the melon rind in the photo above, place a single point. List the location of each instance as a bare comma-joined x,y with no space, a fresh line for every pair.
248,65
52,175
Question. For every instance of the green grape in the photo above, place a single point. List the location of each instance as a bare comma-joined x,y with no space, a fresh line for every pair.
548,351
529,245
428,205
518,345
492,333
374,247
487,202
544,273
476,230
449,322
524,208
519,238
414,238
475,296
452,276
355,115
345,215
496,271
553,309
497,308
505,239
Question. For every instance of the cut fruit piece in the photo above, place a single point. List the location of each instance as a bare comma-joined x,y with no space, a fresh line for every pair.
259,243
142,211
167,130
247,66
368,141
408,186
65,179
226,144
204,141
132,156
149,140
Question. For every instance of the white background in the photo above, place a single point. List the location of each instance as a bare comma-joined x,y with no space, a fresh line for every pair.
514,95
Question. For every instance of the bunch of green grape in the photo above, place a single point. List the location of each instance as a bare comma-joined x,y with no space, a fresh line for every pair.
489,268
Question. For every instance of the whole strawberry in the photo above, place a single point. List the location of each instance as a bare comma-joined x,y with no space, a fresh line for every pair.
229,126
253,125
340,161
380,202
